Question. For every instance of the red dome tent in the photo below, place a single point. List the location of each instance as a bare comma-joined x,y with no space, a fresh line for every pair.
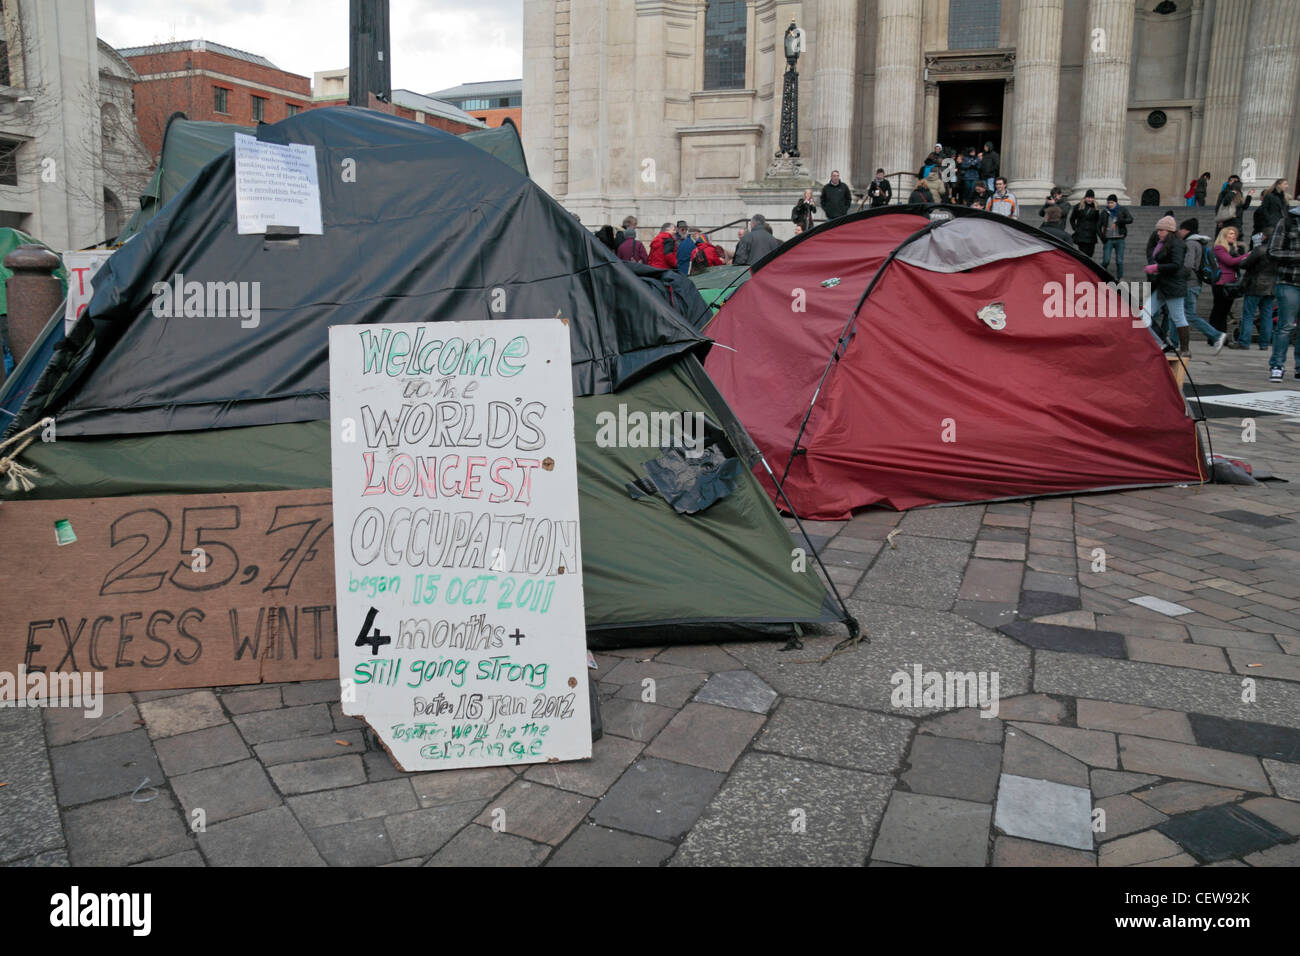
891,358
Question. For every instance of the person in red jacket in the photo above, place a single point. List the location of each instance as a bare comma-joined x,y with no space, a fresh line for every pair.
702,245
663,247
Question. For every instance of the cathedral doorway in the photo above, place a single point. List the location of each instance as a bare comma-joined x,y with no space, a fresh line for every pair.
970,114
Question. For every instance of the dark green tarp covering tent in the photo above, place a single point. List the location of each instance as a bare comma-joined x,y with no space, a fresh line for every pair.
189,145
429,230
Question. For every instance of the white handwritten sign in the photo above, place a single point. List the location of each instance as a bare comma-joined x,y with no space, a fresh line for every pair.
458,565
276,185
81,267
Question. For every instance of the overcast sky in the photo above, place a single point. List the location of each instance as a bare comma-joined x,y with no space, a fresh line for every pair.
436,43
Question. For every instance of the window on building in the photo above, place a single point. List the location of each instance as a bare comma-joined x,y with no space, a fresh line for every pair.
974,24
259,108
9,162
292,109
219,100
724,45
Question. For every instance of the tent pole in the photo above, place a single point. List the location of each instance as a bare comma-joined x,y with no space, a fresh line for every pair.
849,620
842,342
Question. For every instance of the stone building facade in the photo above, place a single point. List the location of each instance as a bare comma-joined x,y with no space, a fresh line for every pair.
671,108
72,165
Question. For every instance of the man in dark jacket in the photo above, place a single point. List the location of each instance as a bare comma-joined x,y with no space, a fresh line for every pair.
1166,271
685,247
755,243
879,191
1202,188
1115,220
836,197
1284,248
1260,272
1055,198
1272,206
1052,225
1086,223
970,173
990,165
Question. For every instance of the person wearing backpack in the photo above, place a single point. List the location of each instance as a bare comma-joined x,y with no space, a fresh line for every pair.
1260,271
663,248
1202,267
802,213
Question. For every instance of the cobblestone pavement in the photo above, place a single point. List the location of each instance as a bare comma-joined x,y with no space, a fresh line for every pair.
1149,716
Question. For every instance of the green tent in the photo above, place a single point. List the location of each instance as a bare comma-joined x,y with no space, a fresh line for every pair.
230,411
717,283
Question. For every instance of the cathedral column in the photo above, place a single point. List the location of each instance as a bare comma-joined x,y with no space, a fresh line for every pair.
898,73
1104,101
1222,95
833,82
1038,71
1268,108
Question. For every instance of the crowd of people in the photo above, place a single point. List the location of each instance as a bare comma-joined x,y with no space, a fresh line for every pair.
1261,267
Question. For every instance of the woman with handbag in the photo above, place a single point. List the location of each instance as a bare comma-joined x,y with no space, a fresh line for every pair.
1230,255
803,211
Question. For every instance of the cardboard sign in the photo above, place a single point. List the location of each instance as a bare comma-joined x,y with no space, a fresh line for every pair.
276,185
81,267
462,639
170,591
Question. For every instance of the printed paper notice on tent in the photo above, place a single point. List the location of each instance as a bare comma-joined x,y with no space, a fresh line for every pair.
276,185
458,566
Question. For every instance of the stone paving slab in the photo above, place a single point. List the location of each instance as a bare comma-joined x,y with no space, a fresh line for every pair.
480,846
65,725
537,813
843,736
600,846
777,811
740,689
949,767
199,749
225,792
1044,811
182,714
120,831
29,811
922,830
658,798
269,838
103,767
